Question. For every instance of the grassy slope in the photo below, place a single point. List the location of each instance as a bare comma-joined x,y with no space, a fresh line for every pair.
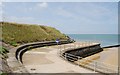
24,33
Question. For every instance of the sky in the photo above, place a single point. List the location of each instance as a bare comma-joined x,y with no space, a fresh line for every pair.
68,17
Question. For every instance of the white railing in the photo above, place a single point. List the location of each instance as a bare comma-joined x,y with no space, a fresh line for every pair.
94,65
91,64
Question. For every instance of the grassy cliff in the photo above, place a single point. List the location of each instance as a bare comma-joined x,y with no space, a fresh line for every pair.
14,33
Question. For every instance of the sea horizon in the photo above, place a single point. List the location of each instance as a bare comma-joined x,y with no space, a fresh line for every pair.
103,39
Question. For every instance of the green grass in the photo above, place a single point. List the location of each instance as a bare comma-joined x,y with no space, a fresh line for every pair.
3,74
3,50
14,33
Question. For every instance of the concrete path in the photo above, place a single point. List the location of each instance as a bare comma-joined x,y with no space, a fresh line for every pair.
47,60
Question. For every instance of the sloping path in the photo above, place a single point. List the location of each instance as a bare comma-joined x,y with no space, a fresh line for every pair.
47,60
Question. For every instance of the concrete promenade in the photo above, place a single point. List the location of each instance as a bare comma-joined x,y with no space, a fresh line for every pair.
47,60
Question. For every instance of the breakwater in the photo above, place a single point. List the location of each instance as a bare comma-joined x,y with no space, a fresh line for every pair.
80,56
84,51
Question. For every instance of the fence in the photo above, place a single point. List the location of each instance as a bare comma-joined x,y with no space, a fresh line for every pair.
93,65
87,63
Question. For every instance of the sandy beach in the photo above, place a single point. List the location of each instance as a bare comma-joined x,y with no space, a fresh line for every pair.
107,59
109,56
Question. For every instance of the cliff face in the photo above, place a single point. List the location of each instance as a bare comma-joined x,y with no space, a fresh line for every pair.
13,33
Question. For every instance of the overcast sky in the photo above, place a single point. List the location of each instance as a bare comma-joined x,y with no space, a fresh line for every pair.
68,17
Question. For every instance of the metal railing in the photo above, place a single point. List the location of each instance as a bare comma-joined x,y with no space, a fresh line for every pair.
94,65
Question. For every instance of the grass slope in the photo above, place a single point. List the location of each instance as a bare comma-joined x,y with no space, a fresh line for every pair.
13,33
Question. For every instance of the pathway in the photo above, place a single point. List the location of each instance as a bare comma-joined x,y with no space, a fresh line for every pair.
47,60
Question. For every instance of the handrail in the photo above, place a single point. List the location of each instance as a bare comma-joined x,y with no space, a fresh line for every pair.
96,66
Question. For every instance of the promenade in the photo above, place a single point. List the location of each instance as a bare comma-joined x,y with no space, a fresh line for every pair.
48,60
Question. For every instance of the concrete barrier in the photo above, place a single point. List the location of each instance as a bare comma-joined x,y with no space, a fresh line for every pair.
22,49
77,56
85,51
111,46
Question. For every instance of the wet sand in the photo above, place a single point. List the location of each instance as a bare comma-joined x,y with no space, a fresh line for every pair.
107,59
109,56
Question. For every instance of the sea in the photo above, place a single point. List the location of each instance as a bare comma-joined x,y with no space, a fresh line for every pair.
103,39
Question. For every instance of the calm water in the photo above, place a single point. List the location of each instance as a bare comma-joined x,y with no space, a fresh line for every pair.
104,39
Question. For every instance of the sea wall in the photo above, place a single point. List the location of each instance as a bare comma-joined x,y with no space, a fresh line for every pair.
15,56
84,51
21,50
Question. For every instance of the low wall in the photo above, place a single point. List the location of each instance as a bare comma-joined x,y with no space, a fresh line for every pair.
77,56
21,50
15,55
84,51
111,46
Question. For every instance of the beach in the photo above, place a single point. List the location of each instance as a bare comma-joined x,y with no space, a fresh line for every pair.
109,56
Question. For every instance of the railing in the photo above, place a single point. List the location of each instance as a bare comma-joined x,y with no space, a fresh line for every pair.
93,65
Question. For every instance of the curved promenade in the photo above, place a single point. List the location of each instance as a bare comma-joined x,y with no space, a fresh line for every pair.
50,57
15,55
48,60
21,50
